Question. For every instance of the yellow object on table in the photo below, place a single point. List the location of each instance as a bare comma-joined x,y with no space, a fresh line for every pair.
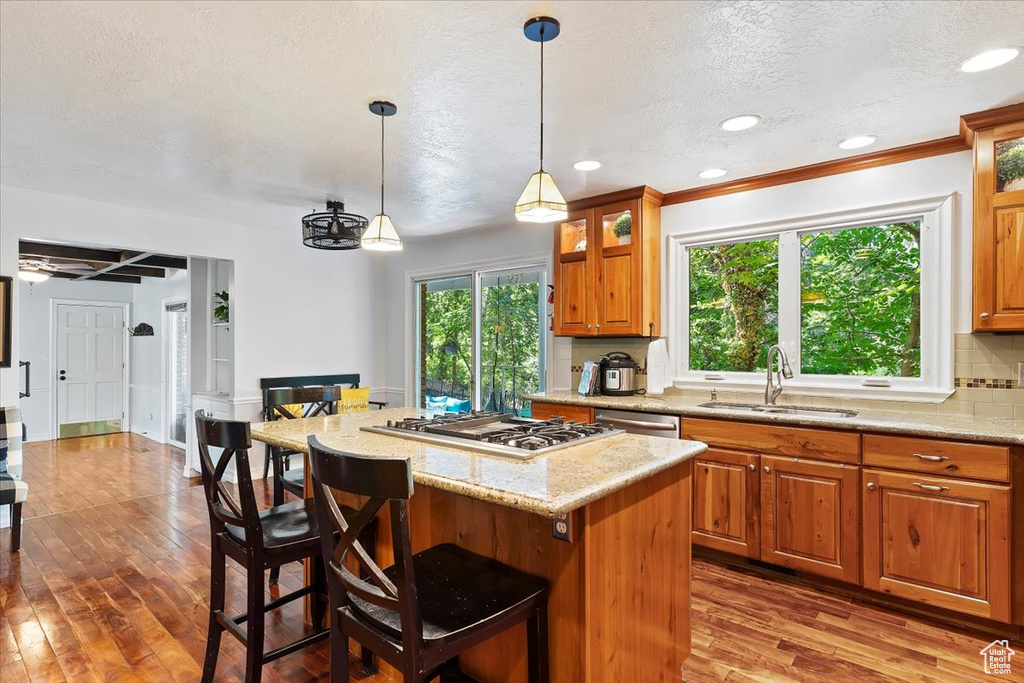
354,400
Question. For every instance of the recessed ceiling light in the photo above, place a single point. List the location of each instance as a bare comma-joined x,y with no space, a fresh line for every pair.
587,165
713,173
990,60
741,122
857,142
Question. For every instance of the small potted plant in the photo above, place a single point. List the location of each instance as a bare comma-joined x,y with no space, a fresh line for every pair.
220,311
623,228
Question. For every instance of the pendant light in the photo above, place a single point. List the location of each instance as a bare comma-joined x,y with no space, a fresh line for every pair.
541,202
381,235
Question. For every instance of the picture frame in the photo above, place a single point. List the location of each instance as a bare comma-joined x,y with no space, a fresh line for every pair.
6,287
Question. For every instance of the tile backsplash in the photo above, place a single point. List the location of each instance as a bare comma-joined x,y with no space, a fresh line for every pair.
985,377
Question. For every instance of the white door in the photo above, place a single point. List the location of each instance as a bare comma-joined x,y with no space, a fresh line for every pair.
90,370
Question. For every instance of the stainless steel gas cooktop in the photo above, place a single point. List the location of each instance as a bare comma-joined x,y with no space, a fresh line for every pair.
496,433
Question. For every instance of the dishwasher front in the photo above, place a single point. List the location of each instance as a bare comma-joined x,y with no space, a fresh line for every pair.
633,422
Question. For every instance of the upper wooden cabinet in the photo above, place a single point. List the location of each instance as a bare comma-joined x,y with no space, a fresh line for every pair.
999,225
608,266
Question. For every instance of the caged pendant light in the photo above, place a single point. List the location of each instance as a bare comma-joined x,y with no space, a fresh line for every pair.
333,229
541,202
381,234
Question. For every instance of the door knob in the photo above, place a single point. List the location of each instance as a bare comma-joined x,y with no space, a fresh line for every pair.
62,378
983,316
767,469
752,467
871,486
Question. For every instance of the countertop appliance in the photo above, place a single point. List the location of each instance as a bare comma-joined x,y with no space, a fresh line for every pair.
618,374
497,433
632,422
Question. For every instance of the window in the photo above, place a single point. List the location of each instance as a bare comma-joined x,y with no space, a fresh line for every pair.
481,339
860,302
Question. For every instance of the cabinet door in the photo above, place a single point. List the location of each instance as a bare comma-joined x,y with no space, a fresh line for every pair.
937,540
617,258
574,307
725,502
998,229
810,516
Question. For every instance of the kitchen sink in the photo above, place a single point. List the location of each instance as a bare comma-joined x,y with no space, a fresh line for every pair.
806,411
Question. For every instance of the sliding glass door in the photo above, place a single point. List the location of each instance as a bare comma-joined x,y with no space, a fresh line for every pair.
481,341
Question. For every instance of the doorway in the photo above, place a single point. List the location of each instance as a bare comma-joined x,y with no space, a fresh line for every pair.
481,339
91,387
176,383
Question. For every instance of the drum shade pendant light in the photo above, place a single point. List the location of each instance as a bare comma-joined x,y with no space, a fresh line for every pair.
541,202
381,235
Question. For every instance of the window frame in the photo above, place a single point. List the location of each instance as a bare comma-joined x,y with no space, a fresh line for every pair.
936,381
476,271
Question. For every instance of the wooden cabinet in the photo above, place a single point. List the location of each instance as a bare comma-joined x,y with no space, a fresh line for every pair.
810,516
544,411
999,227
784,509
608,266
726,494
939,541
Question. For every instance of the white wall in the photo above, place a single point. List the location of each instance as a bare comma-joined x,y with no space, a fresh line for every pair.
931,177
517,241
296,311
145,382
33,333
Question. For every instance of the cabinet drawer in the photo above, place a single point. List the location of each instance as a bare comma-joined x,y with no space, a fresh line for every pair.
805,443
974,461
544,411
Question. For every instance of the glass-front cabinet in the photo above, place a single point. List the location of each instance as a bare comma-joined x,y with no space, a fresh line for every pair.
607,266
999,228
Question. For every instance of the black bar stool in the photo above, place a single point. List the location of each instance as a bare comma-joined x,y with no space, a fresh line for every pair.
420,613
257,541
291,404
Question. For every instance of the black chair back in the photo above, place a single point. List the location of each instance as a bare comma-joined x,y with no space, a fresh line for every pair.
382,480
314,400
235,440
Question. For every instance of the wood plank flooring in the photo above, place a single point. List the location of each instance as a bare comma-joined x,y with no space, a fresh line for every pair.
112,579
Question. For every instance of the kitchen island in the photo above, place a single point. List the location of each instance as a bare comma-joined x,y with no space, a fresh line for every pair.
619,607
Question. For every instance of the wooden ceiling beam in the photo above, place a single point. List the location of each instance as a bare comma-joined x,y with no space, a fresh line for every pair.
64,251
144,271
164,261
103,277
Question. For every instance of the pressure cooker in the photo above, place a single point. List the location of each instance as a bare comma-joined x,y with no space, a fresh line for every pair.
618,374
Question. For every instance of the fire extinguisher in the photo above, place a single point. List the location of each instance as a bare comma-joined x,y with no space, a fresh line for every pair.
551,308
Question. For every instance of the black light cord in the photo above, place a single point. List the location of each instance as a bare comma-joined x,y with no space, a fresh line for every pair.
542,98
382,163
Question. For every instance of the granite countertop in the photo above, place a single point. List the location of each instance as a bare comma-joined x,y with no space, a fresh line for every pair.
961,427
549,485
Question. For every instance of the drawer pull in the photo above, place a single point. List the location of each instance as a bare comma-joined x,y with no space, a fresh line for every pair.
929,487
932,458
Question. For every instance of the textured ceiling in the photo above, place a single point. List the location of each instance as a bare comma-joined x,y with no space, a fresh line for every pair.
255,112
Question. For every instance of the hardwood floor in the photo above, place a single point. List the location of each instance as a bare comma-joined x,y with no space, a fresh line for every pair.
112,579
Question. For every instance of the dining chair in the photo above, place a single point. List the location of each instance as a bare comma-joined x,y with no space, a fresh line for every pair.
257,540
13,490
420,613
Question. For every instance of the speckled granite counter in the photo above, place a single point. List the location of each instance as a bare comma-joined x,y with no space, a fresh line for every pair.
962,427
549,485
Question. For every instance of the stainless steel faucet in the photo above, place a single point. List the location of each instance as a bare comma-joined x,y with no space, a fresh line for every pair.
774,386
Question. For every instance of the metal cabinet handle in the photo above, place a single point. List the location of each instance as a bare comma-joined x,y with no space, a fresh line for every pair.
983,316
929,487
931,458
27,364
752,467
871,486
638,424
767,469
588,327
599,326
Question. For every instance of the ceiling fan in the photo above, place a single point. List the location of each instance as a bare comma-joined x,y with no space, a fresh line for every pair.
36,270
